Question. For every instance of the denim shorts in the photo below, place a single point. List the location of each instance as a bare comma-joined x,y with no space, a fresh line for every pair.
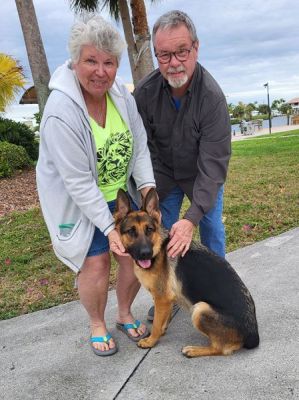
100,243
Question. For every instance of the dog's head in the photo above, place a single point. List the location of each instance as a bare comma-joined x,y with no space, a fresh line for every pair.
139,230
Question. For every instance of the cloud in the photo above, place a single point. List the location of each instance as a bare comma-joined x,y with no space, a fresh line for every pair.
243,43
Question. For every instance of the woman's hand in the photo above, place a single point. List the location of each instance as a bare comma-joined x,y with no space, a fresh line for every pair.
115,243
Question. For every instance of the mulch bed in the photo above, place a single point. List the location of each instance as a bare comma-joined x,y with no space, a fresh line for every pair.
18,193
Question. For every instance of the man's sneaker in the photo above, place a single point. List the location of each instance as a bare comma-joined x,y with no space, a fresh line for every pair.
151,312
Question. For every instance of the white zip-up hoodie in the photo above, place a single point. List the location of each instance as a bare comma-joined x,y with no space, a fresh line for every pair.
66,171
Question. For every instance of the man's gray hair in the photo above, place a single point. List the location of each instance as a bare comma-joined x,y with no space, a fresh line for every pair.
92,29
173,19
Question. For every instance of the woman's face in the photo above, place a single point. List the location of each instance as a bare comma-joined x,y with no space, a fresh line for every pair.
96,71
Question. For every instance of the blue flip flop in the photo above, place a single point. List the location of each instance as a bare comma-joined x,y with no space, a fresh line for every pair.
102,339
124,328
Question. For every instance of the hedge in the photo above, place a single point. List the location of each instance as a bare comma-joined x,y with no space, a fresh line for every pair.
19,134
12,158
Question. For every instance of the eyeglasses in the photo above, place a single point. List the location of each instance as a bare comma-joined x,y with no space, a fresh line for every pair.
180,55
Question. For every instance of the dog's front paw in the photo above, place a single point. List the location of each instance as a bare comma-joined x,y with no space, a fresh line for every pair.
146,343
188,351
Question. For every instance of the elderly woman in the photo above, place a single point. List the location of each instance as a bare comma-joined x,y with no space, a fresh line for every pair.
93,142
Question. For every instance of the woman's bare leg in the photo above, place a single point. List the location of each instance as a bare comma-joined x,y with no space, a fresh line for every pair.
126,290
93,284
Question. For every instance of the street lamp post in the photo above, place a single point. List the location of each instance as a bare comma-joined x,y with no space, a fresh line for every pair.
269,109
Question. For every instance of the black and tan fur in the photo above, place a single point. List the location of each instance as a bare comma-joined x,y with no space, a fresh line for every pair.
220,304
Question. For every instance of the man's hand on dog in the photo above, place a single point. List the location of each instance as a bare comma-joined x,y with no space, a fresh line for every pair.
115,243
180,238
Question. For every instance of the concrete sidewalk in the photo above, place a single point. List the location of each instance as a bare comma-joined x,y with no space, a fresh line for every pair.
46,355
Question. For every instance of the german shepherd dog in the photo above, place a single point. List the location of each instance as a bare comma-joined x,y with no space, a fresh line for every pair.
220,304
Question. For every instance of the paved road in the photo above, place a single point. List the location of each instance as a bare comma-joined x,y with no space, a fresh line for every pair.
45,355
265,131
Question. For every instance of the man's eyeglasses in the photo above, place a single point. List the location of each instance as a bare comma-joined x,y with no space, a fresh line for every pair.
180,55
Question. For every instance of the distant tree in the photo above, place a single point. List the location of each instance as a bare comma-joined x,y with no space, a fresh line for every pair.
136,30
35,50
263,108
248,110
239,110
276,104
286,108
231,107
12,79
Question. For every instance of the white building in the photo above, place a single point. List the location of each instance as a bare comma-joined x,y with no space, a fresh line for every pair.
294,104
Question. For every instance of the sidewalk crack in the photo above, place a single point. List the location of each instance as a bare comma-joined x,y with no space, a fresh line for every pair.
131,375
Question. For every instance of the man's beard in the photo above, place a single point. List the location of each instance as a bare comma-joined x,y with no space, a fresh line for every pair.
177,82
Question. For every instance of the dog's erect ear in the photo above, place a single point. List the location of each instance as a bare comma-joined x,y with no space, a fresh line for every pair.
150,203
123,205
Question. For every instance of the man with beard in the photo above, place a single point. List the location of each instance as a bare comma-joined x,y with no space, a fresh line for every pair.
189,135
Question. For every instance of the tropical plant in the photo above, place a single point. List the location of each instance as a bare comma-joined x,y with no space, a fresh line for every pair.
35,50
135,27
12,79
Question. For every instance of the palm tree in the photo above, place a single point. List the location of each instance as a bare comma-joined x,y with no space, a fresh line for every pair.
12,79
239,110
35,50
249,108
136,30
230,107
276,104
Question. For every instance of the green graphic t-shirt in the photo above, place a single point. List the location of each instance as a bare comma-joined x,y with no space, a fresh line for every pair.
114,145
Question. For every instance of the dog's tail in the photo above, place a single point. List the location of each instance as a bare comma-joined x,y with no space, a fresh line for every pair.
252,340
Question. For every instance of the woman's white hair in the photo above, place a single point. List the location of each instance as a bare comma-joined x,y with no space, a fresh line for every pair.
93,30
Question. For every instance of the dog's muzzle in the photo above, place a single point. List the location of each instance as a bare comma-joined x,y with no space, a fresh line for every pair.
142,255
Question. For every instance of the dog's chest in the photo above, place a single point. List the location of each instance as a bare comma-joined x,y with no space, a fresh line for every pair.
146,278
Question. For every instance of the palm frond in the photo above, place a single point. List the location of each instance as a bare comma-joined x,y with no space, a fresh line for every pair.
12,79
84,5
112,6
80,6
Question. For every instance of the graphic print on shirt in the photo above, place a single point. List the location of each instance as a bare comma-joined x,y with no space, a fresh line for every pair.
114,156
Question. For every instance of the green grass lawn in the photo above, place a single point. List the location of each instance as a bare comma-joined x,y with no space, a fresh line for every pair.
261,200
262,190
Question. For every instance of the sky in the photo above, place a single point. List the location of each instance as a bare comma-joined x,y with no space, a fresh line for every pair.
243,43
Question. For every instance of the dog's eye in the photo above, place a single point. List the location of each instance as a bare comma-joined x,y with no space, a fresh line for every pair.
149,230
131,231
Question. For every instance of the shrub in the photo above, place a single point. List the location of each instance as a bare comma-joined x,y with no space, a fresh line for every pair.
38,117
19,134
235,121
12,158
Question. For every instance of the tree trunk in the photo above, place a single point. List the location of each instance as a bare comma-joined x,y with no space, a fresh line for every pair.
144,62
127,27
35,50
